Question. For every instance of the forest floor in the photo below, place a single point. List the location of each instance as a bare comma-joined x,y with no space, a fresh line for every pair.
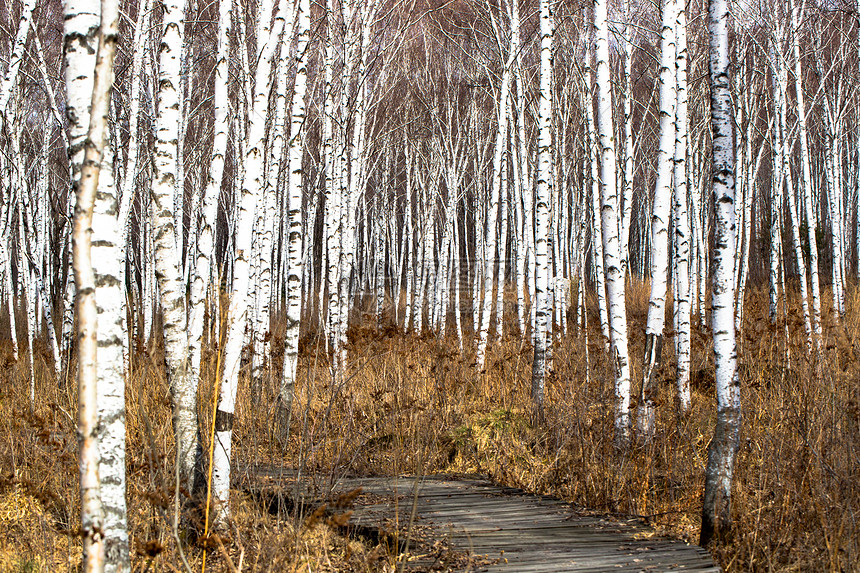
418,405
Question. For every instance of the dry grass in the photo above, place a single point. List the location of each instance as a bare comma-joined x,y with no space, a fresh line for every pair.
417,404
39,505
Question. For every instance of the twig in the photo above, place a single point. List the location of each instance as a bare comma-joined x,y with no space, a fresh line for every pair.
412,515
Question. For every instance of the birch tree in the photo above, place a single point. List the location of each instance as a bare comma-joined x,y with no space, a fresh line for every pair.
265,219
682,221
543,193
16,57
660,219
629,155
171,287
110,300
593,176
609,223
98,533
806,177
294,185
205,241
81,25
782,168
716,507
499,164
141,33
252,188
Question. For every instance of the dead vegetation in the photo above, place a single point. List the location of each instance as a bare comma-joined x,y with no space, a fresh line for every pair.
417,404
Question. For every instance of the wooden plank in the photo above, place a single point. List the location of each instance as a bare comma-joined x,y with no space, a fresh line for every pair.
525,533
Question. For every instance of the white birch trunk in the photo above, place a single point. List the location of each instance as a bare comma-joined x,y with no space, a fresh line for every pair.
129,177
10,299
252,187
629,154
380,223
682,220
94,527
610,213
332,189
543,194
748,199
593,164
716,507
503,242
660,214
806,182
266,217
16,57
783,176
775,205
167,268
492,213
25,273
294,186
81,23
527,197
110,302
206,237
458,310
520,182
420,290
408,233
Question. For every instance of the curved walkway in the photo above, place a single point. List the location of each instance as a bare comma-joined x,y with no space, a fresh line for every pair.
446,524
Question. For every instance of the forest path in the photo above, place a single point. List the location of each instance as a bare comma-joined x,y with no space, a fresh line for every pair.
474,525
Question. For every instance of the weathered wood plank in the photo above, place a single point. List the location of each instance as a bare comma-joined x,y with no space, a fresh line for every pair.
496,529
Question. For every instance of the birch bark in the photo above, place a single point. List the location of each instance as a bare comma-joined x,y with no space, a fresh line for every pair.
16,57
716,507
10,299
521,188
783,176
129,178
682,221
205,241
294,186
593,165
609,209
80,42
806,181
543,194
267,216
252,186
492,212
95,528
660,220
629,154
110,303
167,269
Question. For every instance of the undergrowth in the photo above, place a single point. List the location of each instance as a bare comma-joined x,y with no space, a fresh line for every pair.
417,404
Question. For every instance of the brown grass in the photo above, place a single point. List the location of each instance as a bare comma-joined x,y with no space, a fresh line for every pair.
39,505
416,404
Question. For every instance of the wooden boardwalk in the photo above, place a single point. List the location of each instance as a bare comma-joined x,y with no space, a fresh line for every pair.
472,525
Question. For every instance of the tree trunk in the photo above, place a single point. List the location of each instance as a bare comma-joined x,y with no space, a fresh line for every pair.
682,218
543,194
610,213
716,507
660,221
167,269
811,221
294,185
95,529
252,187
211,195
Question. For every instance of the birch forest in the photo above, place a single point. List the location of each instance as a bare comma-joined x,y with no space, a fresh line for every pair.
605,250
